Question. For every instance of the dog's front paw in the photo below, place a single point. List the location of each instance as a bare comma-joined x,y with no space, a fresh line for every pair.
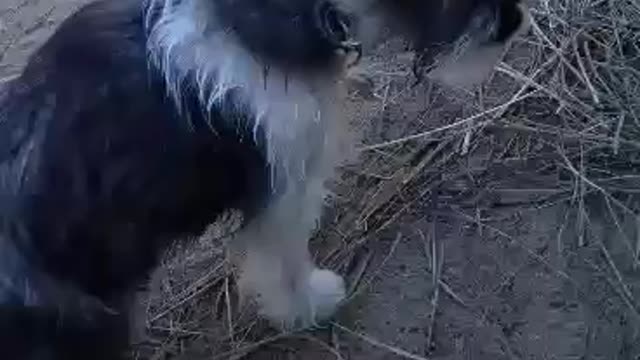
315,299
326,291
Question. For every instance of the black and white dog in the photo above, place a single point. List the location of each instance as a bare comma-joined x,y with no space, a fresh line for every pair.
137,123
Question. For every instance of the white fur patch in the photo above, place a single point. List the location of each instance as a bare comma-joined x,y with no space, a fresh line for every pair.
297,112
327,291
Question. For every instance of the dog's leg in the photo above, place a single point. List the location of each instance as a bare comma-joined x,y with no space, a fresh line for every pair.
276,267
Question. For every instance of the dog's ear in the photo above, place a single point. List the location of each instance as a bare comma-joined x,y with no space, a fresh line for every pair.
485,45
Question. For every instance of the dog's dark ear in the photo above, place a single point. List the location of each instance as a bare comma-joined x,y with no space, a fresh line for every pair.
333,22
295,33
336,25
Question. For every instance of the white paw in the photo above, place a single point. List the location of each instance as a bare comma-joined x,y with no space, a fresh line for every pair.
326,291
315,299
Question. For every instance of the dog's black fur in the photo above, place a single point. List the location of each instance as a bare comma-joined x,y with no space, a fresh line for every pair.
99,174
99,171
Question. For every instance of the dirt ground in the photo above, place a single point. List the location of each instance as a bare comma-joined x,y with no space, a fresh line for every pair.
451,254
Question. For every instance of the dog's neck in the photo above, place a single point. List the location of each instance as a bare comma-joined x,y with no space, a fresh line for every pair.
292,108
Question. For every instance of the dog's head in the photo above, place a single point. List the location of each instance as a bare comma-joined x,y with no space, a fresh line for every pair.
458,41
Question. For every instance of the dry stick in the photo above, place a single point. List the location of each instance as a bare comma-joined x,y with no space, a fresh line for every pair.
426,160
247,330
206,282
478,315
385,97
403,177
227,298
321,343
335,339
376,343
608,199
637,250
532,77
621,231
563,226
516,75
437,266
381,196
628,296
582,214
616,138
359,273
584,111
446,127
422,193
217,308
466,143
367,282
401,211
541,34
594,71
568,135
479,219
615,201
592,90
508,70
388,190
445,287
616,32
173,330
